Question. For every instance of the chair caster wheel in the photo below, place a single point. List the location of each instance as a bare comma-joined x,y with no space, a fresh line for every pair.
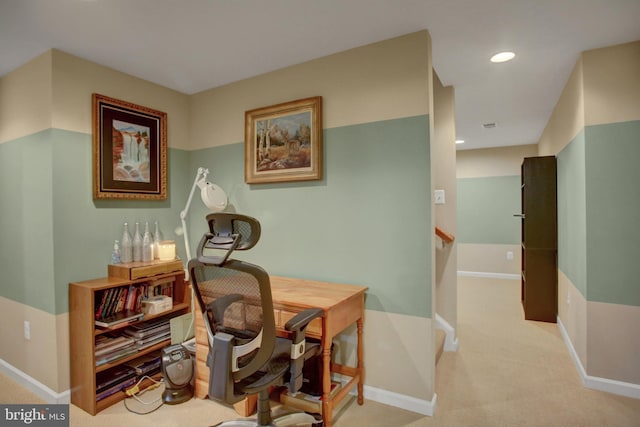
319,421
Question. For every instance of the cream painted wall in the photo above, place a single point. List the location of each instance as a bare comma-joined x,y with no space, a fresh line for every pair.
502,161
349,96
567,118
488,258
75,79
48,333
572,311
26,99
612,84
443,176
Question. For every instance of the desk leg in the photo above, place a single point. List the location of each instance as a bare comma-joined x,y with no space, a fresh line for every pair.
327,403
360,366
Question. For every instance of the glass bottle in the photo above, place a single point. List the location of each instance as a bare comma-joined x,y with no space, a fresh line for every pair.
156,242
137,244
147,244
126,254
115,255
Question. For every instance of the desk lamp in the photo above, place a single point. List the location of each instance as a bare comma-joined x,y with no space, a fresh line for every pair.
212,196
215,199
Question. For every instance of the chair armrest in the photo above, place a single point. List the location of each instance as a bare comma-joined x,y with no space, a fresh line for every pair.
298,323
219,361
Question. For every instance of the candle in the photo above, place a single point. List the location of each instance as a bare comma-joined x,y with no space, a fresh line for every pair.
167,250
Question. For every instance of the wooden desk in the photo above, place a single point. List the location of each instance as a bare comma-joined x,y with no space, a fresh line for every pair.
343,305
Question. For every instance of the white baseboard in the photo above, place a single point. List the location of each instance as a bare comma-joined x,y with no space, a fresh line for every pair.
402,401
598,383
397,400
33,385
450,340
488,274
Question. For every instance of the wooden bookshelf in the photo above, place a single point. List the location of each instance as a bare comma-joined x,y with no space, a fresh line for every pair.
83,330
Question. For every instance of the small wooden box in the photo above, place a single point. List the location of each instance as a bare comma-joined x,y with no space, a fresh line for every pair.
136,270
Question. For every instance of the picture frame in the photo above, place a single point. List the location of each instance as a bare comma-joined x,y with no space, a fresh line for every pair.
129,150
283,142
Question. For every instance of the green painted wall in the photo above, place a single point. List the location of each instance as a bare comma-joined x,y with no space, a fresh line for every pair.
55,233
613,210
485,210
366,222
572,218
598,206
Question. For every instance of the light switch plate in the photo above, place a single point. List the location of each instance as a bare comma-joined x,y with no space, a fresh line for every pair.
438,197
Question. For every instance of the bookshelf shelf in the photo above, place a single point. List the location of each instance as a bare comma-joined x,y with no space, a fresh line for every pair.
85,299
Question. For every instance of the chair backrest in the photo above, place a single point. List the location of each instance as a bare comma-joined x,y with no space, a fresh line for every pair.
235,300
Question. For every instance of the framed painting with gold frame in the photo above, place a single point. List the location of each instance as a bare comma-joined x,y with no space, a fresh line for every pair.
283,142
129,150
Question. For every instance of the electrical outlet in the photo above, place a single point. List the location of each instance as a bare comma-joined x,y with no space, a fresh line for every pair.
509,256
438,196
27,330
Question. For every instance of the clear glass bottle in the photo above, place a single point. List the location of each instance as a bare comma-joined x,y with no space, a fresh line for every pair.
126,253
137,244
156,242
115,255
147,244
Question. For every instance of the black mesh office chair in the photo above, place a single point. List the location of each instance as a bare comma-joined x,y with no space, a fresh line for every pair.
245,355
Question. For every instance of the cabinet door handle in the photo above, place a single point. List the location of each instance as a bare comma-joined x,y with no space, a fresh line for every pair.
519,215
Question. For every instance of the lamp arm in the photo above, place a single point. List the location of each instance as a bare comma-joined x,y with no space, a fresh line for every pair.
183,214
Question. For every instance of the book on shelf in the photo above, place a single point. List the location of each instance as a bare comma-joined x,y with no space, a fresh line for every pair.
116,388
116,354
113,376
146,365
118,318
110,302
113,345
151,341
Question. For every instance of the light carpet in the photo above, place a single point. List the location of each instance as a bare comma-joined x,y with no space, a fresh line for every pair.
506,372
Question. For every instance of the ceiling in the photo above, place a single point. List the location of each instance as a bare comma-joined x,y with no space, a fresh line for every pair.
194,45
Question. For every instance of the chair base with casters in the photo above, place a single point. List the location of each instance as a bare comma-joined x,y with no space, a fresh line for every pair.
246,357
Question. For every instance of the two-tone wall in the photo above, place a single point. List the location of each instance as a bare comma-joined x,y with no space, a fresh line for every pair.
595,133
443,173
488,197
53,231
368,221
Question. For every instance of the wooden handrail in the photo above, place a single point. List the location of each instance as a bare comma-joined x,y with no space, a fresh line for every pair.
446,237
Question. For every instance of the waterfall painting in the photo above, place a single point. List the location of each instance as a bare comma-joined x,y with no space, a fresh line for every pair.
284,142
129,150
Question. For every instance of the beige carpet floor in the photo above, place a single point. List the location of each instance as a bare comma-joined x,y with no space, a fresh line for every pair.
507,372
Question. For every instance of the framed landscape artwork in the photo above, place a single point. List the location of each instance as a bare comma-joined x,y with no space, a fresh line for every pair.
129,150
283,142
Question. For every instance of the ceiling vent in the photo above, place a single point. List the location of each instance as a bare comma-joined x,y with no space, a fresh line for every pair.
489,125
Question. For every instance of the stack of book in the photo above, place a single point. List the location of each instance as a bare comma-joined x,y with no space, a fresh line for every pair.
109,348
149,333
113,380
147,365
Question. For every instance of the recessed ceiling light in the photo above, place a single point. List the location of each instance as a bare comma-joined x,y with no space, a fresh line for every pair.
459,141
503,57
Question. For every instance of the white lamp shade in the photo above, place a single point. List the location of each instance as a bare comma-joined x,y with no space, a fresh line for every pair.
213,197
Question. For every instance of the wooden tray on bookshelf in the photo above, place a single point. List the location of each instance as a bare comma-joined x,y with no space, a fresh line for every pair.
137,270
